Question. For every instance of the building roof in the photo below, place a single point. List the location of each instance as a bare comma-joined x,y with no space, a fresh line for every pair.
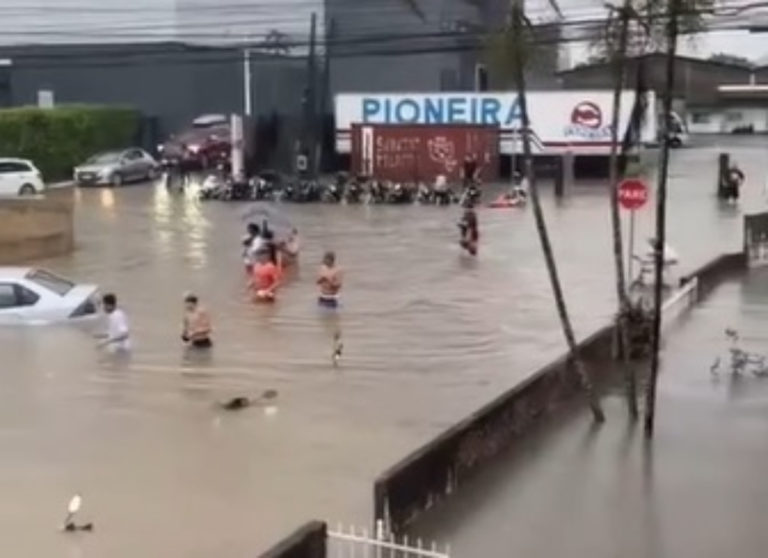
747,91
8,52
660,56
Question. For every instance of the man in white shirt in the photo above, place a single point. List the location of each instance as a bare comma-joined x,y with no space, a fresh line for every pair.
117,338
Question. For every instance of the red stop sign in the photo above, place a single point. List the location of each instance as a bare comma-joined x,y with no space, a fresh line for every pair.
633,193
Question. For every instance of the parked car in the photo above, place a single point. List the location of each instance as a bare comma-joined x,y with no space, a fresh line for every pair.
203,145
30,295
117,168
19,177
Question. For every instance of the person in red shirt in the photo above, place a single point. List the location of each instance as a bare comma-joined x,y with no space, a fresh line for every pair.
265,279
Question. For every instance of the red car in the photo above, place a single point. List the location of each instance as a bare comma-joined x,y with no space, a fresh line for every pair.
204,145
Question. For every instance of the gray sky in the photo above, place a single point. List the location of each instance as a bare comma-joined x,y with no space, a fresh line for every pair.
30,21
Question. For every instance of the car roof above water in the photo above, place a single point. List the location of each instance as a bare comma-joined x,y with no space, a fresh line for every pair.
15,160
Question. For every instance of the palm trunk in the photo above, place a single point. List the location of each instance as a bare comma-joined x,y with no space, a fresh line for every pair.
661,208
619,59
541,226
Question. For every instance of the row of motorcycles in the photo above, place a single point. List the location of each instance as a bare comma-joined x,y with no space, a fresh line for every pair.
345,189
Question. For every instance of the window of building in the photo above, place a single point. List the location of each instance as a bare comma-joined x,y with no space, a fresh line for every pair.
733,116
449,80
701,118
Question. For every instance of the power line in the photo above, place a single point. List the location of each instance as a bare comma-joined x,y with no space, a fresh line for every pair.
188,30
224,56
360,37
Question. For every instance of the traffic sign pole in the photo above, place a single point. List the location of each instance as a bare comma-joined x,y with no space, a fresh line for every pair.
633,193
631,243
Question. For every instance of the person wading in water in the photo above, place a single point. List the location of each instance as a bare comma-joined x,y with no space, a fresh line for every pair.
329,280
265,278
196,325
470,236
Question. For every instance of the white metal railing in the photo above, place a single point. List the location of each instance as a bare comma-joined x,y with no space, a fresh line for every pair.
359,543
678,305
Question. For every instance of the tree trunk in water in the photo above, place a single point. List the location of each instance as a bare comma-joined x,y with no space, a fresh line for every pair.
618,62
541,226
661,208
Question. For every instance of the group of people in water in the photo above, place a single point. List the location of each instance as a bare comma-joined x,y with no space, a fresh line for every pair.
267,259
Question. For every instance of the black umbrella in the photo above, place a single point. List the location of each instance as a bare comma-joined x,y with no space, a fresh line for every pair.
277,222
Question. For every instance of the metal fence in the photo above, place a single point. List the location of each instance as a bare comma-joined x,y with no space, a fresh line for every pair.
359,543
756,239
677,306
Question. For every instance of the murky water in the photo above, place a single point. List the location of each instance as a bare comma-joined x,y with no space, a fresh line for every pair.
429,336
697,490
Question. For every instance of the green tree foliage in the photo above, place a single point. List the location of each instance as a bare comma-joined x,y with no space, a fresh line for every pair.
57,139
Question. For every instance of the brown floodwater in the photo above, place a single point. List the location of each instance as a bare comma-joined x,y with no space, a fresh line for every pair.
429,336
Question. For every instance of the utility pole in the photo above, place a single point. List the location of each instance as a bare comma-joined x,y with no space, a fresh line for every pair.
325,93
310,110
661,216
247,106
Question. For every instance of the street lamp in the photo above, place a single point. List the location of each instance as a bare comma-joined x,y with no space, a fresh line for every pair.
247,105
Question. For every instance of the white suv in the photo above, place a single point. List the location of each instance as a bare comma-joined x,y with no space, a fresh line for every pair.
19,177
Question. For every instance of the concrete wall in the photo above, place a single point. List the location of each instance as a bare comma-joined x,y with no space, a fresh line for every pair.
436,470
308,541
440,467
33,228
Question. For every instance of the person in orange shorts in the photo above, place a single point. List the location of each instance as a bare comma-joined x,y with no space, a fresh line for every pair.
265,279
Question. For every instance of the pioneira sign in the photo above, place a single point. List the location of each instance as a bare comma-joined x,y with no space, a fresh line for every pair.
577,121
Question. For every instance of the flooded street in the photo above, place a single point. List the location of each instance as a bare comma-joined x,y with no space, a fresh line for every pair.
697,491
429,336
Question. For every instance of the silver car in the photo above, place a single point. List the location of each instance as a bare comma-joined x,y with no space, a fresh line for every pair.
117,168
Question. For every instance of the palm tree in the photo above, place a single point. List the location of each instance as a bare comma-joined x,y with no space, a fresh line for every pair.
515,35
661,208
648,21
618,63
518,22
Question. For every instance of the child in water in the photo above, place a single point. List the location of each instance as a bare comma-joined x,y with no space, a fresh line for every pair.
469,232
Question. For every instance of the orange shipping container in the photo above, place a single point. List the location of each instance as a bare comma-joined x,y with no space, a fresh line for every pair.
412,153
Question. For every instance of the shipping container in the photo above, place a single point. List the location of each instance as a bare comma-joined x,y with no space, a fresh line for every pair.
420,153
572,121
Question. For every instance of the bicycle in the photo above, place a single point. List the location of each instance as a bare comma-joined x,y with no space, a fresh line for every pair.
741,361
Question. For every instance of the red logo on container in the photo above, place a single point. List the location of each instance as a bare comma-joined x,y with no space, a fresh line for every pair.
587,114
442,151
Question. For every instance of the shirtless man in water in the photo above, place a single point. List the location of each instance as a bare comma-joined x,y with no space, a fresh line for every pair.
196,325
329,279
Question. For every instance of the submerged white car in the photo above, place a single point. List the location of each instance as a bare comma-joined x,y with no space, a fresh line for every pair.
30,296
